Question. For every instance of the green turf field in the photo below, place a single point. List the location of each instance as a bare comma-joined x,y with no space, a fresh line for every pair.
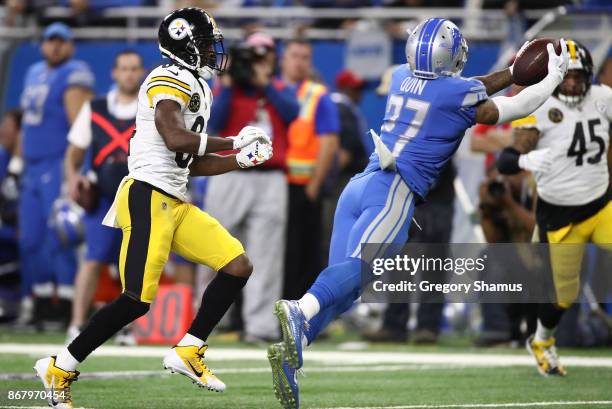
399,376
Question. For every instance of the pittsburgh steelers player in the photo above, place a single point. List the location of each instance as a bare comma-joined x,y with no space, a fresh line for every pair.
150,206
572,178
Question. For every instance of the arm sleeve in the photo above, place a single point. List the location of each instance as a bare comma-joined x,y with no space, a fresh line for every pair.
284,101
80,132
525,102
220,110
326,116
165,86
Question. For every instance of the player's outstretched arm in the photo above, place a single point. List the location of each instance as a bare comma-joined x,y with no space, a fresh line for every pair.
171,126
496,81
211,164
503,109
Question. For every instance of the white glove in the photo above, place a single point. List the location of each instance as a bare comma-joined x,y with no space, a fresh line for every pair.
254,154
557,64
539,160
248,135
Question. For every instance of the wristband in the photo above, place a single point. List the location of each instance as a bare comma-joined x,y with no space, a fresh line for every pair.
203,143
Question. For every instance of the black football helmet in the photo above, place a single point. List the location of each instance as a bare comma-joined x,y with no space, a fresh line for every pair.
190,37
580,62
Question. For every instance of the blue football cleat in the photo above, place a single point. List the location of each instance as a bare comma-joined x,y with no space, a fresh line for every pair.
292,323
284,377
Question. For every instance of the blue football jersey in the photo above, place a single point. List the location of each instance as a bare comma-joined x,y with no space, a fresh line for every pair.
45,124
424,123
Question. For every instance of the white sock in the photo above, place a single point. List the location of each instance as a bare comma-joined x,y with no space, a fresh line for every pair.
309,305
304,341
189,339
66,361
542,333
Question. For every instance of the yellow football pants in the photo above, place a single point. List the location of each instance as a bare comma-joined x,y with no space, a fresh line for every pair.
154,224
567,249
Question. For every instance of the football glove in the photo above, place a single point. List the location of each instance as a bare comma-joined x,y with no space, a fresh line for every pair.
557,64
254,154
539,160
248,135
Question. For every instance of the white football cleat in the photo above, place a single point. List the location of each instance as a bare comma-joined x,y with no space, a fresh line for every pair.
189,361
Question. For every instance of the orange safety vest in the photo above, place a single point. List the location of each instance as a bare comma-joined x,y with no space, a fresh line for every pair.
303,140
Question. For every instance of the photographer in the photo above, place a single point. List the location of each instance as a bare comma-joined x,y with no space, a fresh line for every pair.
507,214
253,205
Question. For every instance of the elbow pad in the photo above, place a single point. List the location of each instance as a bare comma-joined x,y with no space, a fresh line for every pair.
508,161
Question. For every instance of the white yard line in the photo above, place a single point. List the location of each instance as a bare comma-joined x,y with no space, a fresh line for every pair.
487,405
313,369
326,357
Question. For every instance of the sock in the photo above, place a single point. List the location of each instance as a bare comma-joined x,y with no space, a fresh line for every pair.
217,298
542,333
106,323
309,305
189,339
66,361
337,282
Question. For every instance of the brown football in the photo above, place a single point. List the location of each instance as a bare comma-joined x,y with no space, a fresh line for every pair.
88,196
531,65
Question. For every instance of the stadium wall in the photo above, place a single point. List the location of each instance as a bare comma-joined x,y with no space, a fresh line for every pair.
328,59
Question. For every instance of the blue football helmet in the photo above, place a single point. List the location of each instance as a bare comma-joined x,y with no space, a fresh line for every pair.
436,48
67,221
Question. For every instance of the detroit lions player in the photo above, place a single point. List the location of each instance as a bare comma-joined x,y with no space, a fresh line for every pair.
428,110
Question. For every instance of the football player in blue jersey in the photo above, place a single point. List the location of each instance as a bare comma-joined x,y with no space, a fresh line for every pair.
53,93
429,108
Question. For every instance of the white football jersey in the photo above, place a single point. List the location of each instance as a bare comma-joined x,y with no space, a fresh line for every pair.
149,159
579,140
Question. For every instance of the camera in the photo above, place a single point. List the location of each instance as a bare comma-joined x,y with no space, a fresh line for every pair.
242,58
496,188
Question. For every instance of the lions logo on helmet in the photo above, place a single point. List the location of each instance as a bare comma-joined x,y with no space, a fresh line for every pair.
436,48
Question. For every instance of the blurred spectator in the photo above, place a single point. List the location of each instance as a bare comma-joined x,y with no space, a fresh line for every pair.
355,142
604,76
253,205
101,134
507,211
313,144
54,92
10,285
491,139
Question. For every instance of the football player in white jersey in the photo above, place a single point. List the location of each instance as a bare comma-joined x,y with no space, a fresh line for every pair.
565,143
170,144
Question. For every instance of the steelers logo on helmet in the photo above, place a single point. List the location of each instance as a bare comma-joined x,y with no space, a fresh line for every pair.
178,28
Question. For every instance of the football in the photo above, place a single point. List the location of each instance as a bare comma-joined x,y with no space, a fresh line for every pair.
531,64
88,196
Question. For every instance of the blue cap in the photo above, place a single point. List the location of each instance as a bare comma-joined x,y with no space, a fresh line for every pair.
60,30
